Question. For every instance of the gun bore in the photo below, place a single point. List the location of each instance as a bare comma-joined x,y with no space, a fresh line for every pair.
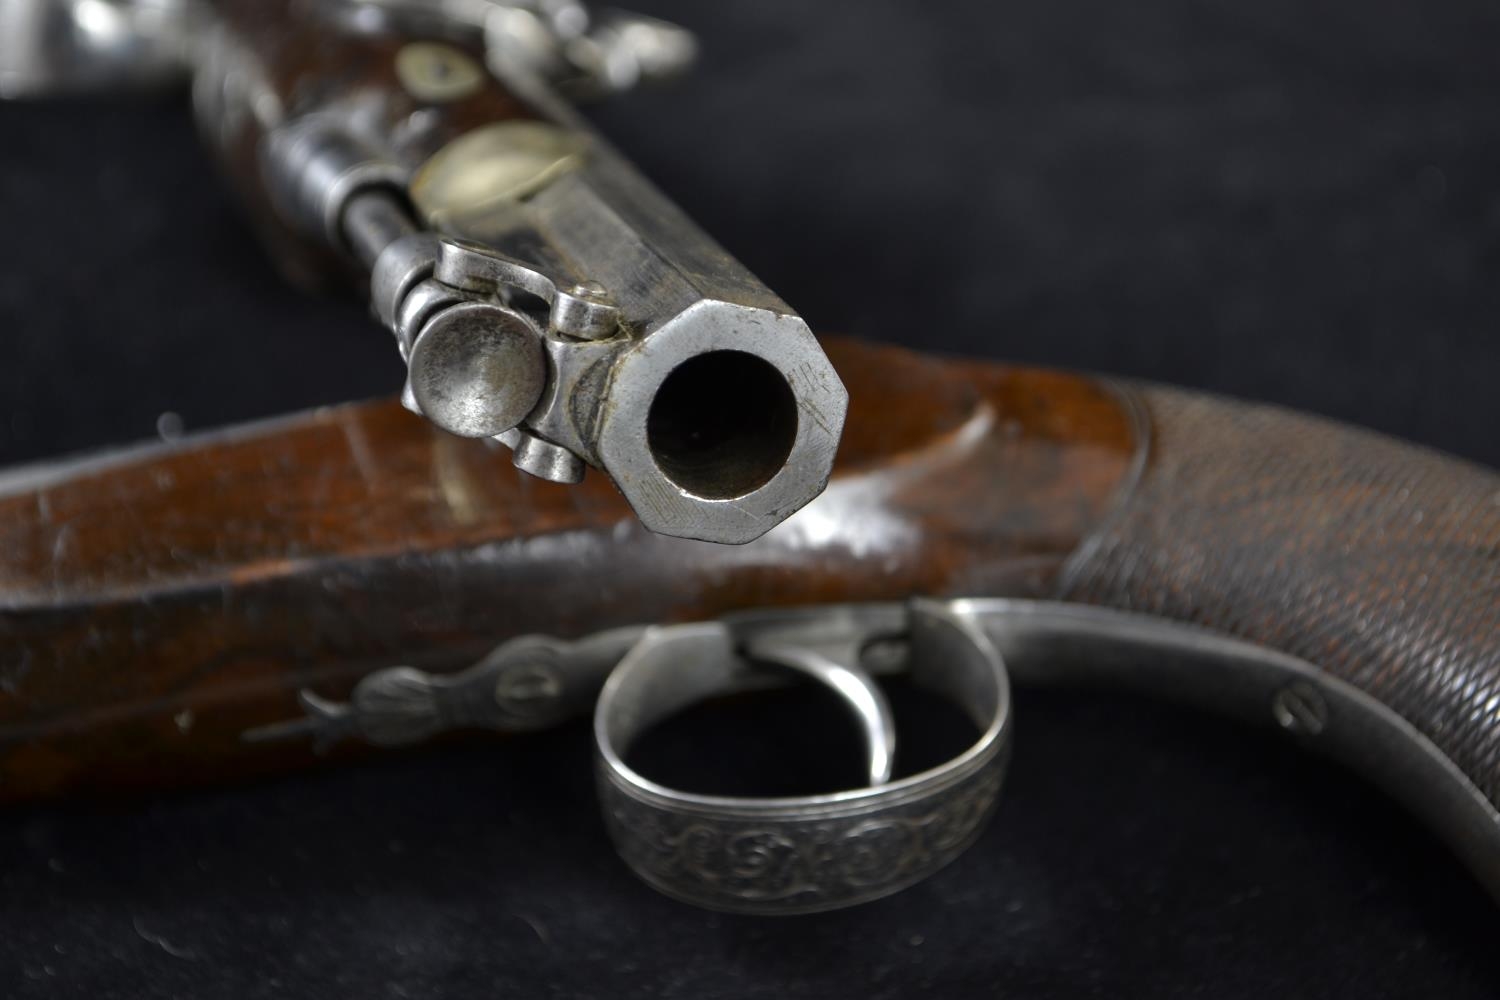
722,424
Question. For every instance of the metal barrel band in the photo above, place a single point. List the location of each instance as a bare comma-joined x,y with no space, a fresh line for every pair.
806,853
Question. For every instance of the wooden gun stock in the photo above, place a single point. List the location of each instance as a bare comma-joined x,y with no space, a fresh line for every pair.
159,603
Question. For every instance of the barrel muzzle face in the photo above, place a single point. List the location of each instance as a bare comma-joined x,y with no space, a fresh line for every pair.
722,423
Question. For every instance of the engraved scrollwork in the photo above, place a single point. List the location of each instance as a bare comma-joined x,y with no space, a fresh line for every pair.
803,853
800,862
879,849
528,682
396,707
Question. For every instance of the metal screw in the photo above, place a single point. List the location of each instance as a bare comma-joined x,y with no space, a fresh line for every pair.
1300,708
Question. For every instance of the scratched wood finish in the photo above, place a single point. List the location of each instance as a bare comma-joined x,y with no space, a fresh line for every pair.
154,607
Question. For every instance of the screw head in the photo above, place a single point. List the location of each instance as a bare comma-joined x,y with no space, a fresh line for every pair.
1300,708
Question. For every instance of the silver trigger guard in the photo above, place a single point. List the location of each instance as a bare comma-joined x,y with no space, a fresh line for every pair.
805,853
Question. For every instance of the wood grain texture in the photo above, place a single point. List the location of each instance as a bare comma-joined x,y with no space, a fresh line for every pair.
1374,560
154,607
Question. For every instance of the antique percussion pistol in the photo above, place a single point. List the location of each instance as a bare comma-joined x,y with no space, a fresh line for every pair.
272,596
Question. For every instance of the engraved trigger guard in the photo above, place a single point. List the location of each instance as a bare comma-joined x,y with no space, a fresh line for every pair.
807,853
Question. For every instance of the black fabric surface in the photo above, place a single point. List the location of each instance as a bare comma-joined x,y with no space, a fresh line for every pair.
1289,200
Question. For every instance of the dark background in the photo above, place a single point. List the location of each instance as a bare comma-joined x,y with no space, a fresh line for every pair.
1290,200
